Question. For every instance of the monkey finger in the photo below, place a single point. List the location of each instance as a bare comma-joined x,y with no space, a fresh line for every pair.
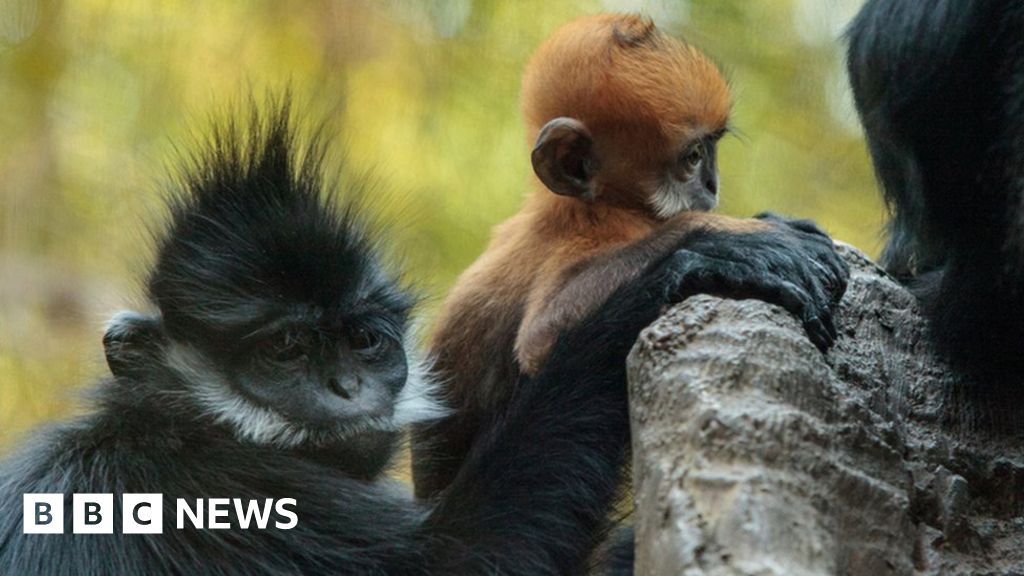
823,312
809,227
833,270
819,334
829,321
721,277
813,316
802,225
829,279
818,325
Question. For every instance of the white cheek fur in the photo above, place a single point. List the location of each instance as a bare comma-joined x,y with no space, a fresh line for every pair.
419,401
673,197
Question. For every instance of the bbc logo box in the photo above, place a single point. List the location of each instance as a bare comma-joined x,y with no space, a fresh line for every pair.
92,513
43,514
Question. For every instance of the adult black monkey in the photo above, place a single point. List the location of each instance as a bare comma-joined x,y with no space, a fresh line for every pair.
276,369
940,89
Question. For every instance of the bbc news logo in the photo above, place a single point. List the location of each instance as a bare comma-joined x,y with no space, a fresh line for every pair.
144,513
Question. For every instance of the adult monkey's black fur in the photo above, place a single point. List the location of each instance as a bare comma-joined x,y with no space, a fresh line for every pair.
275,368
940,89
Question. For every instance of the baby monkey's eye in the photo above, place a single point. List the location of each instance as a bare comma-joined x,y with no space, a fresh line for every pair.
692,156
365,341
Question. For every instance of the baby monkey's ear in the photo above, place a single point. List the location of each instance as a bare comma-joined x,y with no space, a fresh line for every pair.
563,158
131,341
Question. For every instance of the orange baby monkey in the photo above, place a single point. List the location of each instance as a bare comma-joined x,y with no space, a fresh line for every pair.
625,121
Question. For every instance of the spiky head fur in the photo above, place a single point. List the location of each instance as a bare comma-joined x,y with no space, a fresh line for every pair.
252,233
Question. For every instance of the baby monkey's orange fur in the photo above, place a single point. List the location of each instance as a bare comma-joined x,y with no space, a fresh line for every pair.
618,110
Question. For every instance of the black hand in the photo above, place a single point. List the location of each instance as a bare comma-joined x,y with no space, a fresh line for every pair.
822,250
791,263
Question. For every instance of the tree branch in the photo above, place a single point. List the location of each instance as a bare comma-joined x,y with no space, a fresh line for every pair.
756,454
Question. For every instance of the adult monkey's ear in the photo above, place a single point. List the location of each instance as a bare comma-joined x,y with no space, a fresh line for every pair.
563,158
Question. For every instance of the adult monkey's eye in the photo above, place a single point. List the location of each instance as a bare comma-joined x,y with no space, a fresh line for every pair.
364,340
283,347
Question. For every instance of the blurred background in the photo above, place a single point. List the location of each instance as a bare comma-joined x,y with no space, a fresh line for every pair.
96,94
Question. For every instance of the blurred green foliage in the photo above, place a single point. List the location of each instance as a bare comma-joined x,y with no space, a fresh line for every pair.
95,94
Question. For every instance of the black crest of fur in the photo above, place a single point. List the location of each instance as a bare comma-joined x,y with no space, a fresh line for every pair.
226,262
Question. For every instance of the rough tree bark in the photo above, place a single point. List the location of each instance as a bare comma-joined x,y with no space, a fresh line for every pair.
756,454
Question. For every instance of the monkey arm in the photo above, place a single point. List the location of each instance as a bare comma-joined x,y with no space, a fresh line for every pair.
472,351
534,490
533,494
581,288
791,263
569,287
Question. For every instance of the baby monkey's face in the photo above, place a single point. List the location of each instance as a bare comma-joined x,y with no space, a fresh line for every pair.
690,180
641,167
634,165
